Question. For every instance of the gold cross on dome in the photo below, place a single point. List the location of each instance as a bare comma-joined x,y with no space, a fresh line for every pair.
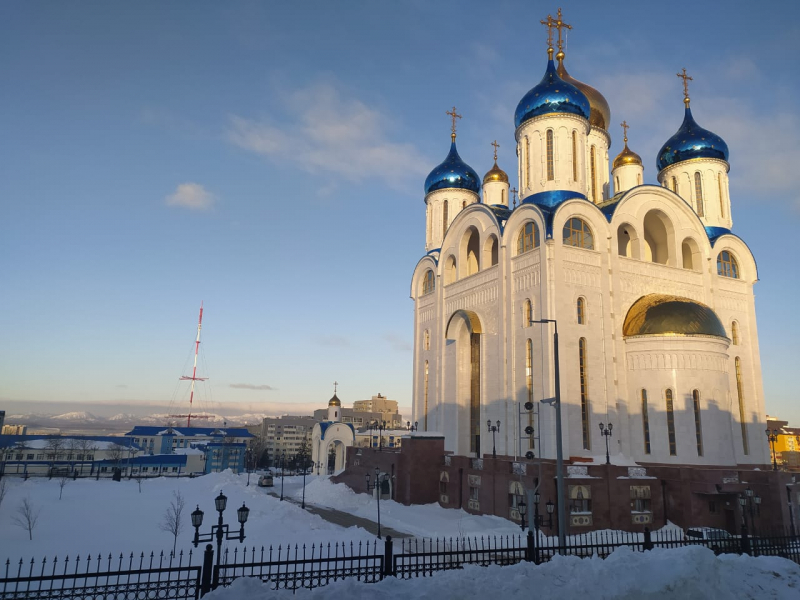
550,24
514,193
625,127
559,24
496,146
686,80
455,116
335,385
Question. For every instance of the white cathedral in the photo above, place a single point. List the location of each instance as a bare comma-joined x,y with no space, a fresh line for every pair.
651,291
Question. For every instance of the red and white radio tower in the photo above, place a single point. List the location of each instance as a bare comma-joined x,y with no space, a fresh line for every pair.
194,376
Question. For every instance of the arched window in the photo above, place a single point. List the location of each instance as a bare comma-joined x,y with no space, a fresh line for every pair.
444,219
428,282
528,238
742,416
529,385
698,194
503,197
645,423
616,186
464,204
574,155
698,430
581,311
528,313
675,184
735,333
593,173
426,337
584,393
526,162
727,265
721,197
673,446
639,178
550,166
425,412
578,234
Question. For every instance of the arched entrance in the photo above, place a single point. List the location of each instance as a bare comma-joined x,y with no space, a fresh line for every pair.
463,379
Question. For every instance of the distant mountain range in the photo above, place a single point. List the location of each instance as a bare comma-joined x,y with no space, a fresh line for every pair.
86,422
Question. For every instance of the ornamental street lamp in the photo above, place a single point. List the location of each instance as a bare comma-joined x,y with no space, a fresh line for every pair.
220,531
750,504
537,521
772,436
303,503
562,516
377,486
414,427
283,470
493,429
606,432
381,427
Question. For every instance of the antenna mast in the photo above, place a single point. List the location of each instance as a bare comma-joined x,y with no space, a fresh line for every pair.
194,376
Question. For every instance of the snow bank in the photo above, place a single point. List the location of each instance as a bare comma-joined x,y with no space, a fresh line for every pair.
691,573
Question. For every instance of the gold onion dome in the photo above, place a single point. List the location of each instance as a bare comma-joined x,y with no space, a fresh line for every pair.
495,174
600,110
334,401
665,315
627,156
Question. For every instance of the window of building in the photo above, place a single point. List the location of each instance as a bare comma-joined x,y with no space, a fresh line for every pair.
444,219
645,423
464,204
528,238
675,184
721,197
584,393
712,506
443,487
40,457
698,429
428,282
673,446
426,340
593,174
528,313
580,499
474,493
581,311
727,265
740,392
526,163
578,234
640,498
550,166
735,333
574,155
698,194
27,457
529,386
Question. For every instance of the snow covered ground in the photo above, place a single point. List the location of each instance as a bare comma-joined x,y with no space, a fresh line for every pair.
114,517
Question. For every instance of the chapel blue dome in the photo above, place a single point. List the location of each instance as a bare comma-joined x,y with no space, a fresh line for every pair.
552,95
453,173
691,141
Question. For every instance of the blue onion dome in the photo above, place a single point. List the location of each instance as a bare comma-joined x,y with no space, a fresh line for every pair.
453,173
600,110
691,141
552,95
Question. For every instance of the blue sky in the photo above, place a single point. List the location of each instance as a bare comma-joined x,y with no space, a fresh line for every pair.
268,159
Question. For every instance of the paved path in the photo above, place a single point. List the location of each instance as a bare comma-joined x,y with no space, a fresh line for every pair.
343,519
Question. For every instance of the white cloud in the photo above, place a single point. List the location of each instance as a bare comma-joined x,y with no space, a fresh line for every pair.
323,131
191,195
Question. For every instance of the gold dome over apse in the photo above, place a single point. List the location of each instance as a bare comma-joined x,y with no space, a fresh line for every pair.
495,174
600,110
665,315
334,401
627,156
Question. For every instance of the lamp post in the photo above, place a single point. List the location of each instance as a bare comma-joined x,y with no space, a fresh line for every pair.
493,429
377,486
562,517
220,531
414,427
772,436
283,470
303,503
537,521
248,457
606,432
750,503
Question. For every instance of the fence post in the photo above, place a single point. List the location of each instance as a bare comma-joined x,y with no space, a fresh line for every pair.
529,550
648,540
205,574
388,558
745,540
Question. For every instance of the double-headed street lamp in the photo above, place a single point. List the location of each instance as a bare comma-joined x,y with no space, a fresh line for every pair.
605,431
750,503
220,531
493,429
562,516
377,486
772,436
537,521
414,427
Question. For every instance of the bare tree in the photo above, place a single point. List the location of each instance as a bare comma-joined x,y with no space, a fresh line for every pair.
63,480
27,516
3,489
84,451
173,518
139,477
55,447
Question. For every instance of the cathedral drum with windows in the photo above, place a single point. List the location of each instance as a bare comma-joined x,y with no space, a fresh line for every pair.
651,292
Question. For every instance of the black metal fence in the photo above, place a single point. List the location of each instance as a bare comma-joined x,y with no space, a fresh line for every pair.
307,567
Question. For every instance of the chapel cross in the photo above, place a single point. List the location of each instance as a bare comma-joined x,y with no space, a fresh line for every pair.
335,385
559,24
496,146
550,24
514,193
625,127
455,116
686,80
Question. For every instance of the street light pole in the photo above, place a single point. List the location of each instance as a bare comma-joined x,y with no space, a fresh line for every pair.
220,531
377,487
562,516
283,470
493,429
772,436
606,432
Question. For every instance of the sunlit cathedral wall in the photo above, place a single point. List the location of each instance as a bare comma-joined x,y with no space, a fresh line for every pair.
654,303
